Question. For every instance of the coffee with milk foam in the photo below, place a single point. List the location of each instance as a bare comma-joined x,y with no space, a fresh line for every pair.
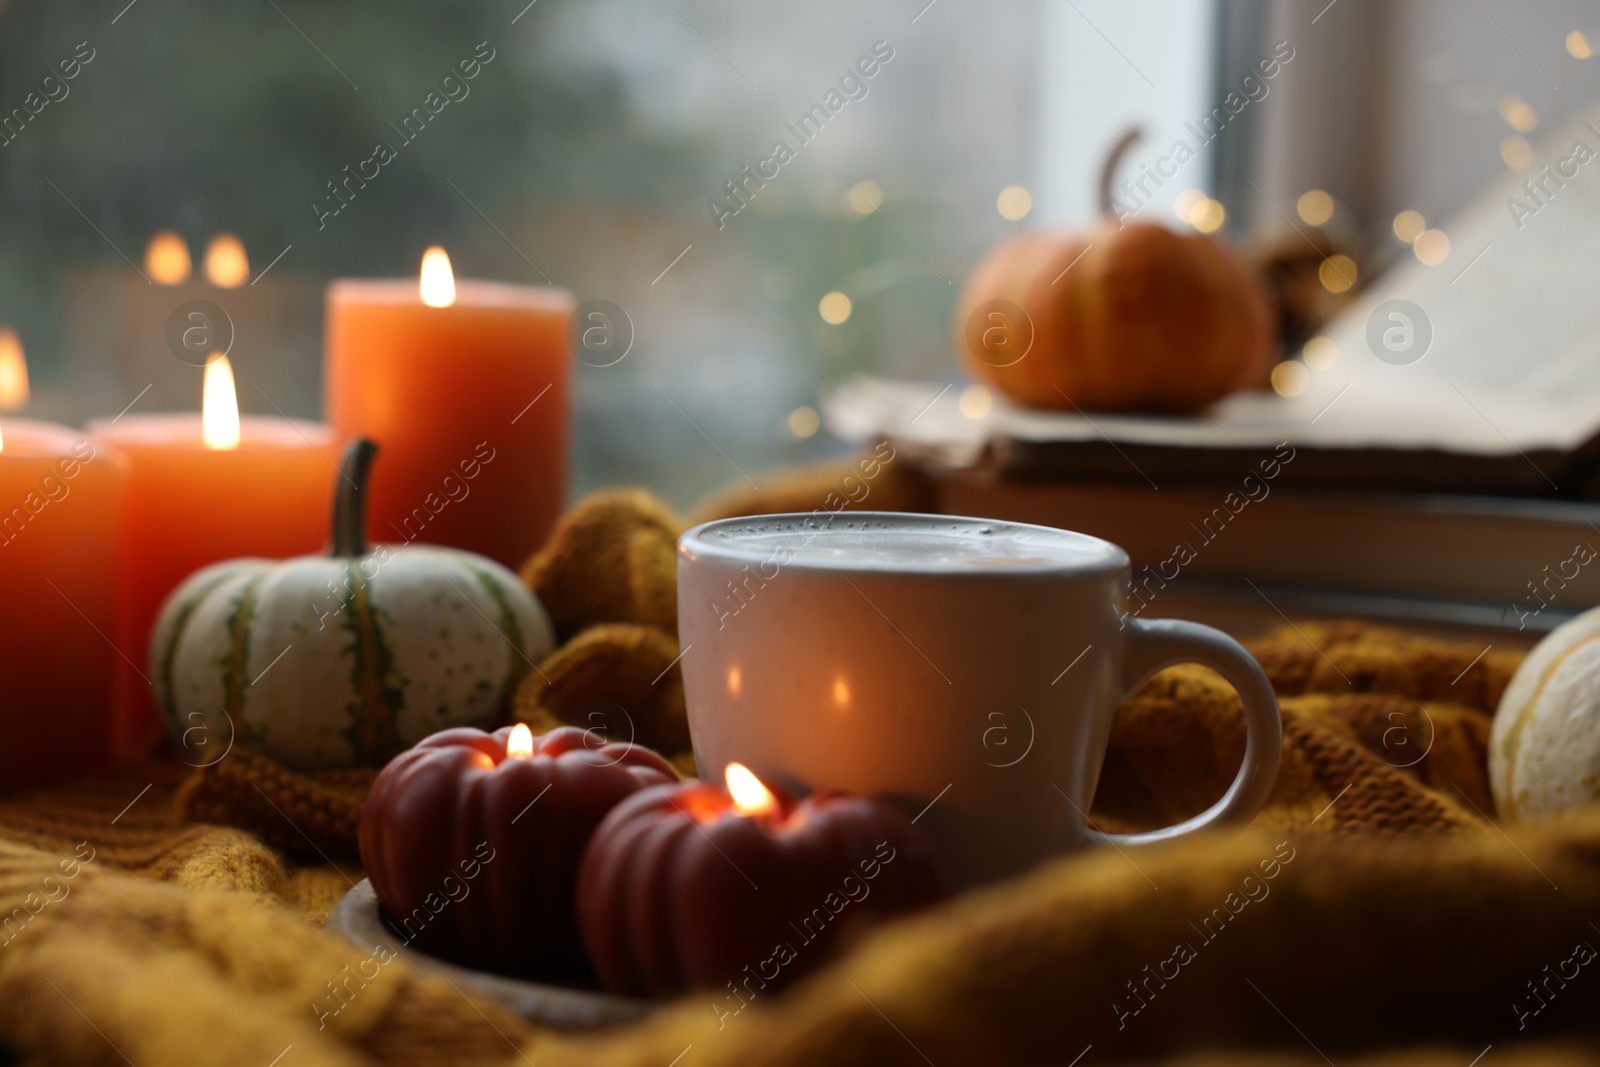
909,542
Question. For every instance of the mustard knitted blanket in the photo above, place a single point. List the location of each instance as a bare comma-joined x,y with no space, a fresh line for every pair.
1373,913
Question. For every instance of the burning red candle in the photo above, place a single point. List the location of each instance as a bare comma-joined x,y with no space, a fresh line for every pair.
472,840
693,886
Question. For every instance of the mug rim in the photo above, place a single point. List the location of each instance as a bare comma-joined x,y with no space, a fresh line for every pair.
1113,558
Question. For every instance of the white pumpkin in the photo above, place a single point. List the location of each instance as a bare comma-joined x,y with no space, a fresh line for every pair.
345,659
1544,750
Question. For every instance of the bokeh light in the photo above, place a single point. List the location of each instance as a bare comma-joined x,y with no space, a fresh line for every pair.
1431,247
1516,153
864,197
1315,207
804,421
1337,273
1320,353
1187,201
1208,216
1518,113
226,264
166,259
1409,224
1014,202
1290,378
834,307
976,400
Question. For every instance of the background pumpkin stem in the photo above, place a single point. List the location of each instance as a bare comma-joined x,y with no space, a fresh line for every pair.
1108,173
350,499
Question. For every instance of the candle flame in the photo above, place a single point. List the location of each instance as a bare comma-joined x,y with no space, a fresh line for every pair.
227,267
438,281
166,259
219,405
13,372
519,744
750,797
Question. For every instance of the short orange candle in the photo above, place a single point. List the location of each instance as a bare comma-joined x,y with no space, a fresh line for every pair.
201,489
465,386
59,497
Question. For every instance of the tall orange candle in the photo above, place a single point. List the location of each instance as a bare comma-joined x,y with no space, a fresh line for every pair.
201,489
466,388
59,498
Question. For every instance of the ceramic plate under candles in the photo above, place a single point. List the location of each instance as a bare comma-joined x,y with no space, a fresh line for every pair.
205,488
358,917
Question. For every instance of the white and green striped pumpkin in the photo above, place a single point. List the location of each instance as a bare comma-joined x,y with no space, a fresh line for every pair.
344,659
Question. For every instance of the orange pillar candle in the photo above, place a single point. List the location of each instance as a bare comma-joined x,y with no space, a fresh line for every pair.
59,499
201,489
465,386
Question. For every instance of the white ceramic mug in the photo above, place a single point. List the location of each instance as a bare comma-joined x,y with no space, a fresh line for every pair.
965,669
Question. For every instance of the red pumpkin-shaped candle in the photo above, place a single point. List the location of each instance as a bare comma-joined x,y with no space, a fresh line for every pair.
472,840
744,890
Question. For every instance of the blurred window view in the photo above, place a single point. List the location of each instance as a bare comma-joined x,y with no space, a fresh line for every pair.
777,196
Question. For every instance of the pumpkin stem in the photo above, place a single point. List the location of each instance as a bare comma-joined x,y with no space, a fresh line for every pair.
1108,173
350,499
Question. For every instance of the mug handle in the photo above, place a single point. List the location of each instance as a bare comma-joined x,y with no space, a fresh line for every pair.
1158,643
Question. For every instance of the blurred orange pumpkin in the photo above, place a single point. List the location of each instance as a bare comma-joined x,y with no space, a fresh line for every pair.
1128,317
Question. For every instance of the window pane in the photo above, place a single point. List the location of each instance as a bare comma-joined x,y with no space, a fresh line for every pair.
776,195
